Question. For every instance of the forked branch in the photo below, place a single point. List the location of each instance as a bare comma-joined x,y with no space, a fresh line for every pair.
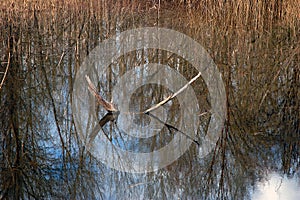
110,107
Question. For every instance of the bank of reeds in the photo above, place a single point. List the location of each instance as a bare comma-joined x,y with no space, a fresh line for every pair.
255,15
253,43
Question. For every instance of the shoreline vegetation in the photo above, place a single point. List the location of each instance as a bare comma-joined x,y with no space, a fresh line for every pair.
237,13
238,30
254,44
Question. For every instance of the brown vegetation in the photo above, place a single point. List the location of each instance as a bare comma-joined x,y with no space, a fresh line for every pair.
255,44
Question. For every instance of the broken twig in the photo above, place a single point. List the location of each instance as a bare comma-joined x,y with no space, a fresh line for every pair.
5,73
107,105
172,96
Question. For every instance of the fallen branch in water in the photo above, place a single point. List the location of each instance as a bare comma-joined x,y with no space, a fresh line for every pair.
112,109
107,105
172,96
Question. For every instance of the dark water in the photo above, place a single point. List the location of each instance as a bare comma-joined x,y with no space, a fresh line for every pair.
57,142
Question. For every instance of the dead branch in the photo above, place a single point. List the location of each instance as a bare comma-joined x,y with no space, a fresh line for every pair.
107,105
112,109
172,96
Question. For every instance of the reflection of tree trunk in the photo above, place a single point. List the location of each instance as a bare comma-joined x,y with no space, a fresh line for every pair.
290,127
48,86
12,139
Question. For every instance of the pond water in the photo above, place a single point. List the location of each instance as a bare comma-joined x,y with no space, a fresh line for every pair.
277,187
231,131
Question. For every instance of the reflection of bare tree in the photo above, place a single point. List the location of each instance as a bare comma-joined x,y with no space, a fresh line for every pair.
255,45
24,168
40,157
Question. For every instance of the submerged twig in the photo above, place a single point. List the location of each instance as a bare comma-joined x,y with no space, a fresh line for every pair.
107,118
169,127
111,117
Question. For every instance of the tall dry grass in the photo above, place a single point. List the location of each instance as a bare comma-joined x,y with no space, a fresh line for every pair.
241,36
250,41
